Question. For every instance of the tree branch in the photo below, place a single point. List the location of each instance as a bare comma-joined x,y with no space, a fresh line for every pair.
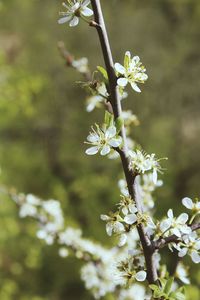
99,24
162,242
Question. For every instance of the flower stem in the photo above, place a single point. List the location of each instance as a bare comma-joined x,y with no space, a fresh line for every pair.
99,24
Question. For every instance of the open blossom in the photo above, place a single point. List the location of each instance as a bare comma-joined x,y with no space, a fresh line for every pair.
129,270
75,10
127,205
142,162
81,65
176,226
189,204
98,99
182,273
113,223
103,140
132,72
191,246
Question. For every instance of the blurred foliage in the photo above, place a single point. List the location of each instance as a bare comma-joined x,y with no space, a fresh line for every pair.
43,125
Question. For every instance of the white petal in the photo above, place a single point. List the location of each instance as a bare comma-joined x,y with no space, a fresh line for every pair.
105,150
182,218
104,217
110,132
74,22
176,231
87,12
170,213
125,210
155,176
187,202
185,229
122,82
122,240
92,150
132,208
93,138
120,69
115,142
109,229
141,276
118,227
130,219
195,257
182,252
64,20
165,225
135,87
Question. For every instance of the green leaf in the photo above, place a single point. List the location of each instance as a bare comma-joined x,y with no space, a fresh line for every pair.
108,119
103,72
168,285
126,61
119,122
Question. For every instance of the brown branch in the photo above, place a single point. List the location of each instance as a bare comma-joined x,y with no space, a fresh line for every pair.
162,242
99,24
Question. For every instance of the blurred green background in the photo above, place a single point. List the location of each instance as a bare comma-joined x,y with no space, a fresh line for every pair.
43,124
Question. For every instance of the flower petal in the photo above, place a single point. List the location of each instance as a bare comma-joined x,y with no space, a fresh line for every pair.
195,257
105,150
122,82
74,22
130,219
120,69
115,142
182,218
110,132
135,87
187,202
122,240
64,20
141,276
93,138
87,12
92,150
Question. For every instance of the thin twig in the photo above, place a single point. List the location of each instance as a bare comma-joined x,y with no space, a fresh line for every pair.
99,24
162,242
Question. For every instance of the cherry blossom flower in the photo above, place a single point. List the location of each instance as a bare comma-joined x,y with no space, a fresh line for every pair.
191,246
103,140
189,204
142,162
81,65
75,10
132,72
176,226
113,224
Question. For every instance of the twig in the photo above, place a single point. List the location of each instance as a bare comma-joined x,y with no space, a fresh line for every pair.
162,242
99,24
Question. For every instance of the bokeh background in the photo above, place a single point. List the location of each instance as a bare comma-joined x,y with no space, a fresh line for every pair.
43,124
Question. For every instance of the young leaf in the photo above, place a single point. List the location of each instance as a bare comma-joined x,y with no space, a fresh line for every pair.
168,285
119,123
103,72
108,119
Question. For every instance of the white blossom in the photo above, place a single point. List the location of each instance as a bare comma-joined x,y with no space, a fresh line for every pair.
191,246
132,72
75,9
189,204
135,292
63,252
142,162
113,223
182,274
103,140
81,65
173,225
